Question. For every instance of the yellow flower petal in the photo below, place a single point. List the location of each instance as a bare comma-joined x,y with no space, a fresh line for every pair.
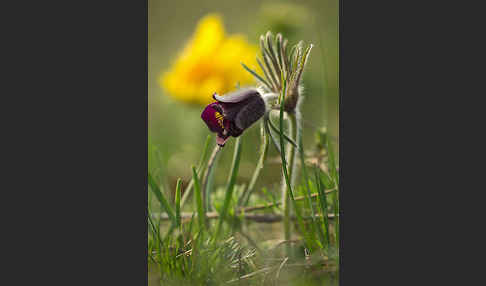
210,62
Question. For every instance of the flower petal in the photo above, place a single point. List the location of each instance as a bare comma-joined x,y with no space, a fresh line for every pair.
237,96
212,118
250,113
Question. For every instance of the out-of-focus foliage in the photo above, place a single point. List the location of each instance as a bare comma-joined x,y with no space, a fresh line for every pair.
209,63
275,17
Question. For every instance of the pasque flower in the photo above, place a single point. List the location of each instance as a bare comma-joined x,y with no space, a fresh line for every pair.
231,114
210,62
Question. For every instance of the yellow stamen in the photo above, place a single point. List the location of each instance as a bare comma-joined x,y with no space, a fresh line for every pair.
219,117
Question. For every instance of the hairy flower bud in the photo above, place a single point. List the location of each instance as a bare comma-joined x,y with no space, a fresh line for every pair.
281,68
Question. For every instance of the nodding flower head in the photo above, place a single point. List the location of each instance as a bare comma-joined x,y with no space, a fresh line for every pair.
231,114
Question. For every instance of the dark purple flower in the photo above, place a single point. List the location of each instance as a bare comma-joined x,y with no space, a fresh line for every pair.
231,114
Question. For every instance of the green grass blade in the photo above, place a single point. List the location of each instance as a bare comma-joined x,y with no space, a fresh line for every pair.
327,181
308,192
205,152
155,231
191,223
336,215
323,204
255,75
332,163
266,119
178,202
164,203
335,177
209,186
230,187
274,128
201,215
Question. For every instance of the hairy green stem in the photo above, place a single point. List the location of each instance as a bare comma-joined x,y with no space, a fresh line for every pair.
245,197
291,167
200,170
207,177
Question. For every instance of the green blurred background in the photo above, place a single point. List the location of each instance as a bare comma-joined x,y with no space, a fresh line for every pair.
176,131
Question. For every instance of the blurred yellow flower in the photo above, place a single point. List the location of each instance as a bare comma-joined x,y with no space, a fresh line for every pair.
209,63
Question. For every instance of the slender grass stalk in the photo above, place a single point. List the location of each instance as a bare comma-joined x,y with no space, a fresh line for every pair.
230,187
266,120
201,215
335,177
323,203
200,170
178,202
336,215
255,75
290,140
245,197
332,163
155,233
315,225
327,181
157,241
160,196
